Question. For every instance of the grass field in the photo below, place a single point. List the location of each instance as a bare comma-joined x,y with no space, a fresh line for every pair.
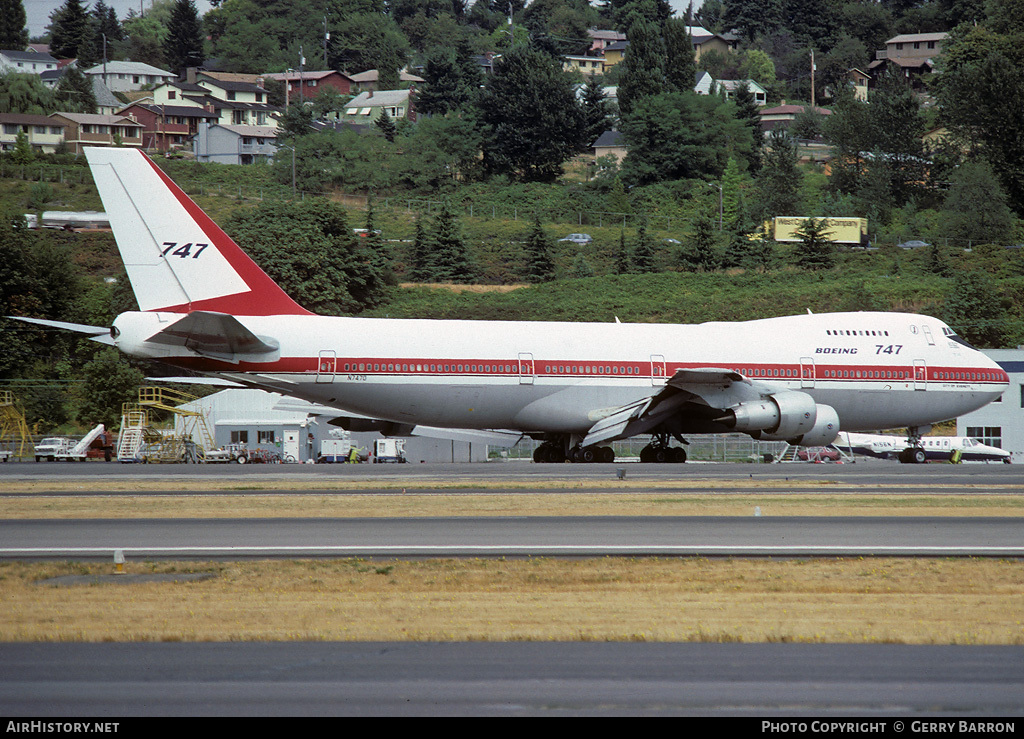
853,600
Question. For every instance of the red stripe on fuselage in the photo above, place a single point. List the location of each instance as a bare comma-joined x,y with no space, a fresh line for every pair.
406,366
264,298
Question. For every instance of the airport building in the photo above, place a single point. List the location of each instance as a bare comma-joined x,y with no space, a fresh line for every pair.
294,429
1001,423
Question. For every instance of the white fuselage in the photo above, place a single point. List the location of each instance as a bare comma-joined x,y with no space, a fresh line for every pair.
878,370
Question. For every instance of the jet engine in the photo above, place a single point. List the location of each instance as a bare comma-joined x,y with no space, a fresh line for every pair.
785,416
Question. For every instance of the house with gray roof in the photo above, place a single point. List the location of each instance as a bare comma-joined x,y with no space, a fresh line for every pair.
129,76
230,144
368,106
26,62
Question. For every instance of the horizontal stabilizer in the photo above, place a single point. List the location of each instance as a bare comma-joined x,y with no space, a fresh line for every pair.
99,334
216,335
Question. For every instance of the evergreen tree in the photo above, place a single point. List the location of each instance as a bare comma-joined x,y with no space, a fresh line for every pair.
779,179
531,120
452,81
71,33
749,112
642,258
752,18
74,92
815,250
450,259
698,254
13,32
423,247
375,252
680,66
622,260
183,46
539,265
386,125
644,64
976,207
595,112
581,268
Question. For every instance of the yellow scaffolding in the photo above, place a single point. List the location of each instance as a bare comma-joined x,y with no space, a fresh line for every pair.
140,441
13,427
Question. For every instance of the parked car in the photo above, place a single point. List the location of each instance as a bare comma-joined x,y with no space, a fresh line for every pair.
819,454
914,244
578,238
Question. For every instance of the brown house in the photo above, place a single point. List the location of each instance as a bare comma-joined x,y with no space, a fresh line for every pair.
168,127
87,129
309,84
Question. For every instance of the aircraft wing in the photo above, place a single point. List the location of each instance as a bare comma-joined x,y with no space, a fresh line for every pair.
215,335
100,334
701,392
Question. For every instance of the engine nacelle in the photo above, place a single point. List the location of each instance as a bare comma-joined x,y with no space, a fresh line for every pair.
787,416
780,415
825,429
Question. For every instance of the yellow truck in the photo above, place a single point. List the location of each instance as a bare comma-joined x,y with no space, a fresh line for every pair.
841,230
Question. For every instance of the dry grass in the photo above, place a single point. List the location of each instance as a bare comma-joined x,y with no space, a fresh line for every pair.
258,505
842,600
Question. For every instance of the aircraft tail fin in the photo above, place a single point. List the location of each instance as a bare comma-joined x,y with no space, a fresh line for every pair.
178,260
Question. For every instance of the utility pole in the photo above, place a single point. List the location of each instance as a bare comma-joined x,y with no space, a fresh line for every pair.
812,80
302,90
327,37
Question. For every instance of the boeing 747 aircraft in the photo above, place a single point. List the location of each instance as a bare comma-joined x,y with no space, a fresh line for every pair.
206,306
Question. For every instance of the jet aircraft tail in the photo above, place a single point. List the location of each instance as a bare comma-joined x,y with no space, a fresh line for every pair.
178,260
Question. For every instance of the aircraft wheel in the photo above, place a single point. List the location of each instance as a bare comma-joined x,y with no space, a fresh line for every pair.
540,454
588,455
607,454
918,456
556,455
647,454
661,455
678,455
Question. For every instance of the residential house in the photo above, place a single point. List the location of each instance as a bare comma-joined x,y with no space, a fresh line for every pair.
239,103
913,54
129,76
367,81
180,92
26,62
599,39
610,143
168,127
614,53
783,115
43,133
368,106
309,84
730,87
231,144
107,103
584,64
705,41
89,129
704,83
859,80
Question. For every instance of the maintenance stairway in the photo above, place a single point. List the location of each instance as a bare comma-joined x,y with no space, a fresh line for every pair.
140,441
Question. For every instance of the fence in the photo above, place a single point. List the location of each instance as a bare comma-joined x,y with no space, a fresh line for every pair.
704,448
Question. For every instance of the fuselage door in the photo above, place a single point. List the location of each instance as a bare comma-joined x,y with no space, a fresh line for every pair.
658,376
526,374
920,375
328,363
806,372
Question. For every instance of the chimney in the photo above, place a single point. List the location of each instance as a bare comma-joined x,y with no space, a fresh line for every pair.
190,75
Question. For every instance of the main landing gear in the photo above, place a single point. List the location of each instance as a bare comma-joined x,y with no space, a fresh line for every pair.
660,451
914,453
567,449
555,451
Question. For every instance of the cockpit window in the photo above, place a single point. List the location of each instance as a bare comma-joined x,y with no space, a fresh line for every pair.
951,334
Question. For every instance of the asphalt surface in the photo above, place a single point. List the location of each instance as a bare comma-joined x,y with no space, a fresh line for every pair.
871,684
